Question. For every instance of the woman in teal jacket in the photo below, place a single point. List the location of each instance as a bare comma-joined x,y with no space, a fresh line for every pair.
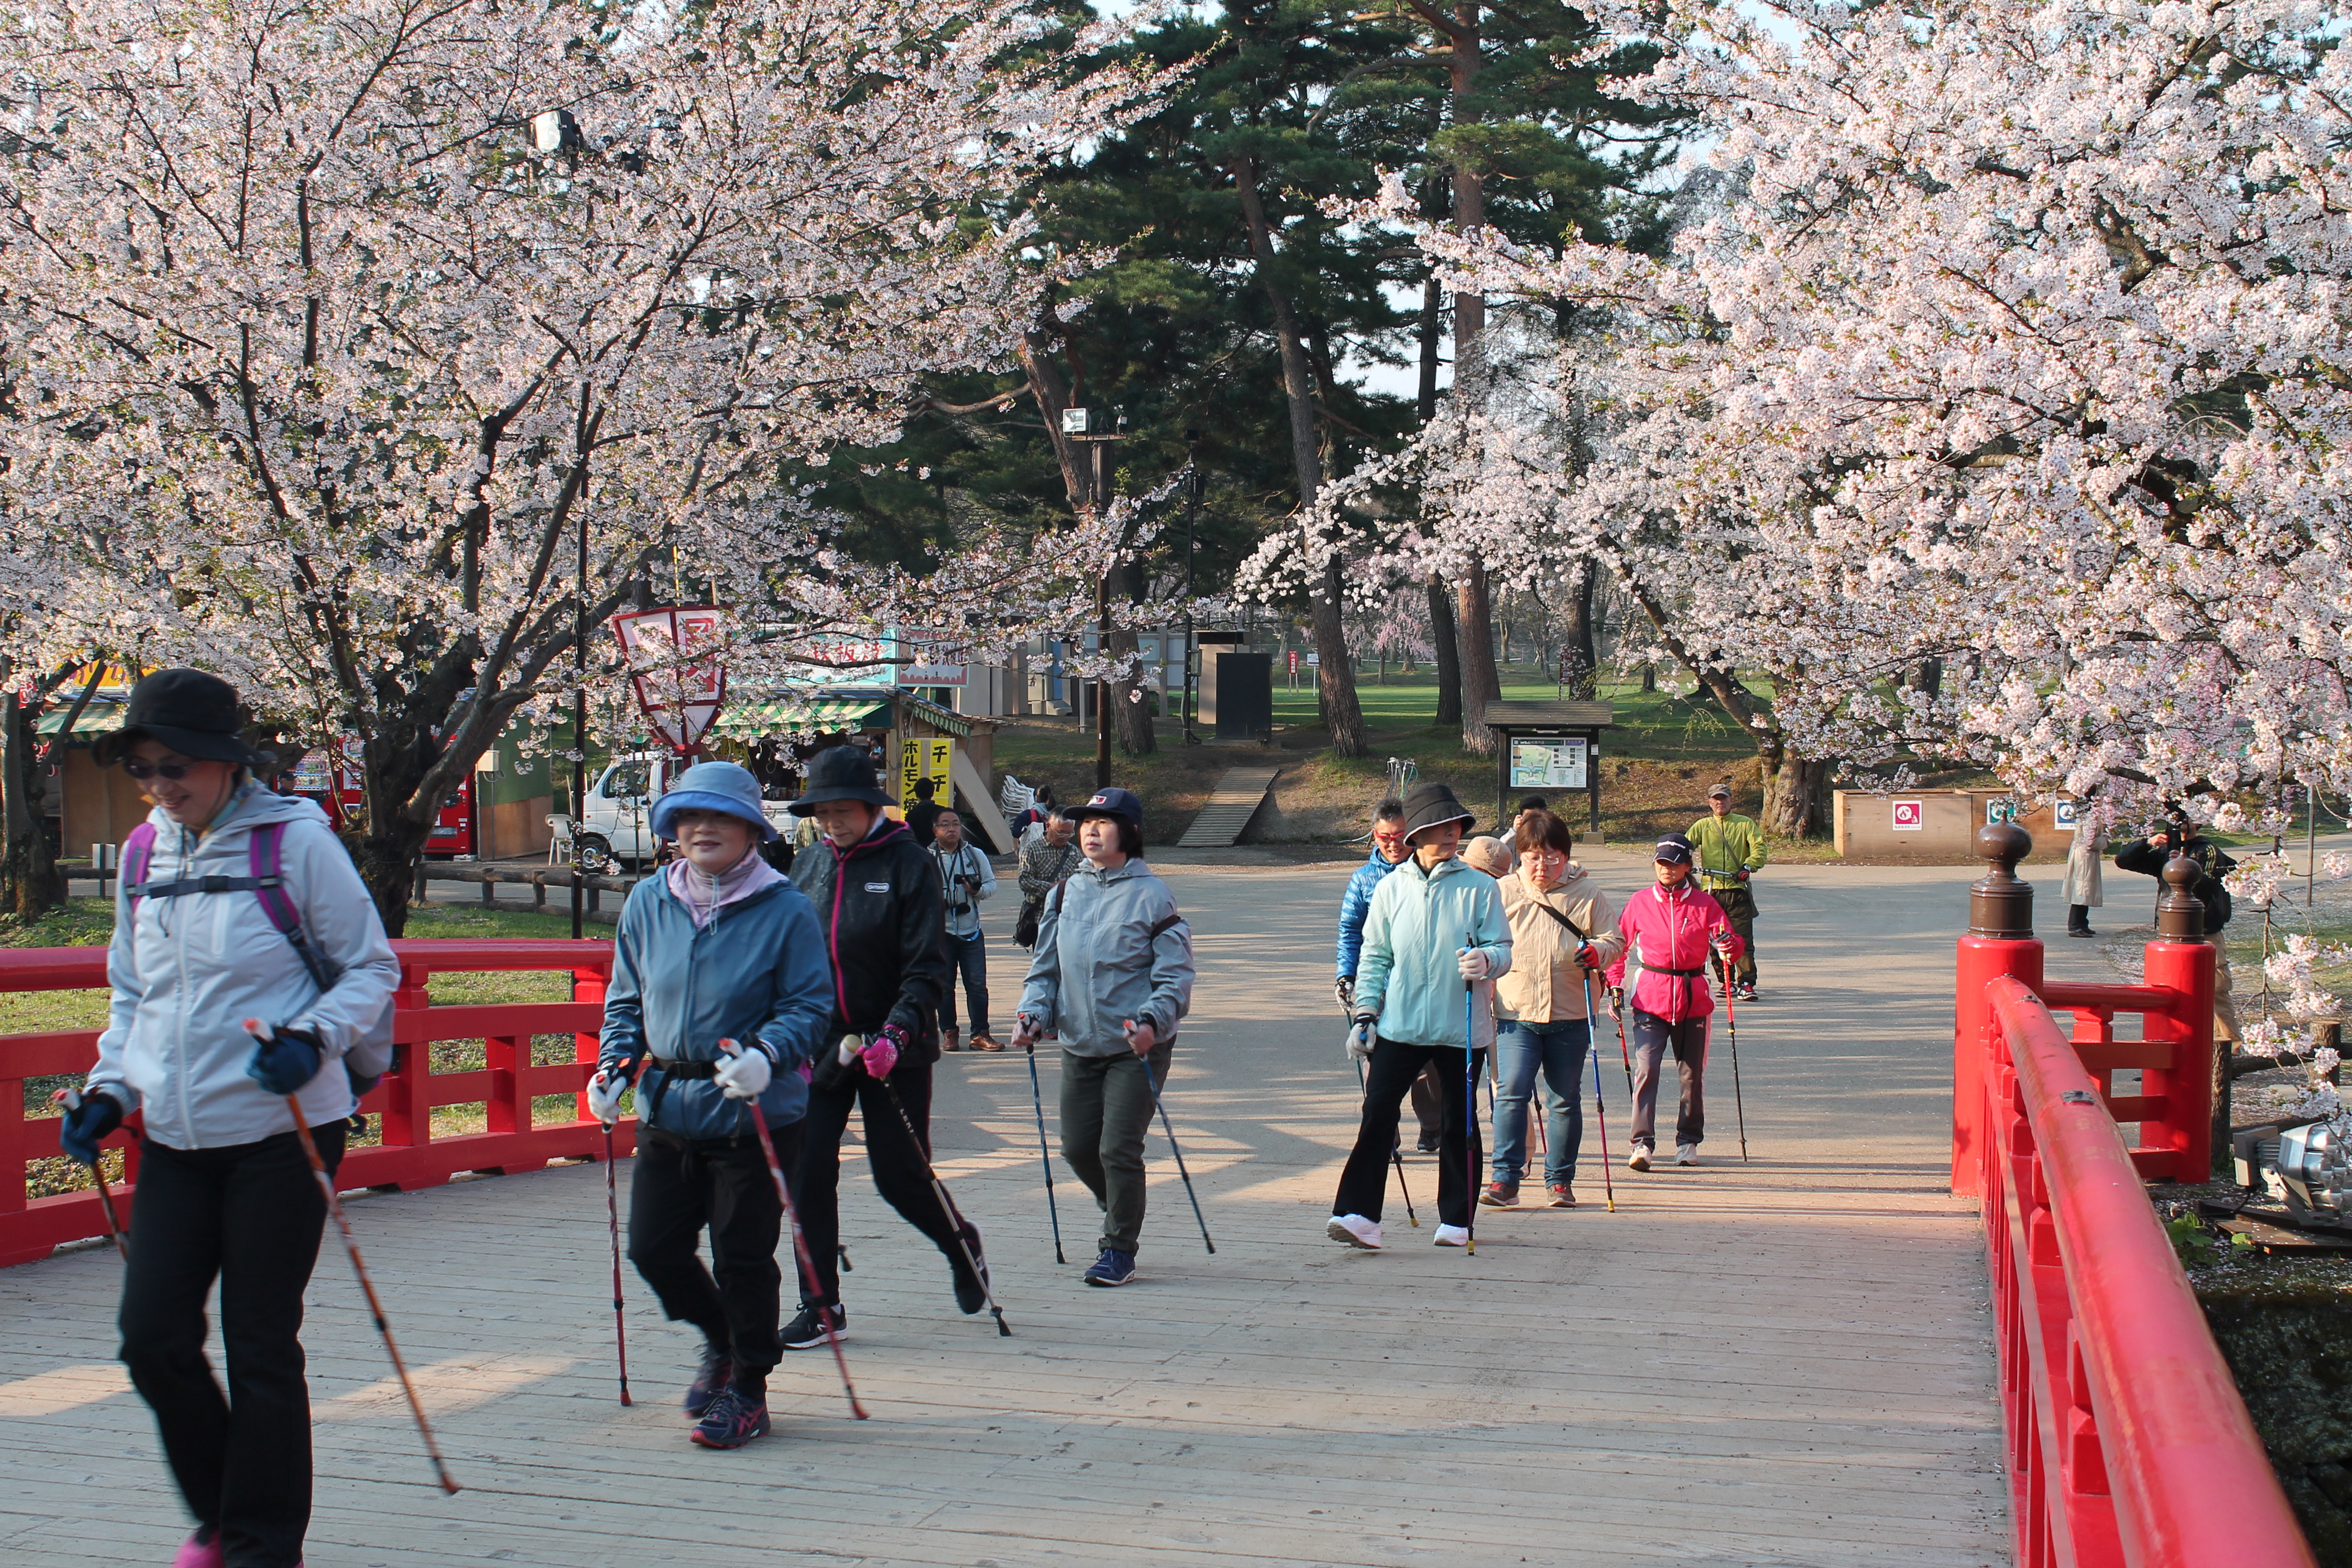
719,947
1435,929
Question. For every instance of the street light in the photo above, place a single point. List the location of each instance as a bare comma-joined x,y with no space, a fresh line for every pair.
1192,517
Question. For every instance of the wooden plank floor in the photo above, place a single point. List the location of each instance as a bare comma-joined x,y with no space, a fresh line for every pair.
1785,1362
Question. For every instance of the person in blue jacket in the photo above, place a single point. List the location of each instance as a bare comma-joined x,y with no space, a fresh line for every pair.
1388,852
719,947
1434,943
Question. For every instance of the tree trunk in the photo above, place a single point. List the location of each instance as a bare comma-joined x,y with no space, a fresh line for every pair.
1444,651
1334,680
28,866
1129,699
1475,649
1584,656
1792,791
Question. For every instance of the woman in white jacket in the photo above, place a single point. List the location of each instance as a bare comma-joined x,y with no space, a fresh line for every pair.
224,1191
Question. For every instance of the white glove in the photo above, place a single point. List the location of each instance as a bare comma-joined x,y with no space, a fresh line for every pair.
1360,1037
1474,963
744,1074
604,1091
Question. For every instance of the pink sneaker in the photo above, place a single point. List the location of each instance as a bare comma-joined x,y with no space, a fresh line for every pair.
197,1552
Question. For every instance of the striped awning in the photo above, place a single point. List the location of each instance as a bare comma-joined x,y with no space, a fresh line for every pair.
101,717
815,715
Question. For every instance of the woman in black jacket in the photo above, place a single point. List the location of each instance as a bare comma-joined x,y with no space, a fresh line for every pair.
877,901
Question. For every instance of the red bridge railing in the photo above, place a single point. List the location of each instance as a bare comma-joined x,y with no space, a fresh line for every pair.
410,1156
2127,1444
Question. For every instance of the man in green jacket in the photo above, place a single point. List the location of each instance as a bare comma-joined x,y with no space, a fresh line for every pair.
1731,850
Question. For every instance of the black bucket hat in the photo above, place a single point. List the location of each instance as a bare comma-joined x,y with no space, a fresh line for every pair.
1433,805
195,714
840,772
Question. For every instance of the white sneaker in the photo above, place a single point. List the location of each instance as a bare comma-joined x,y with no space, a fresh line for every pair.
1685,1154
1355,1230
1639,1160
1453,1236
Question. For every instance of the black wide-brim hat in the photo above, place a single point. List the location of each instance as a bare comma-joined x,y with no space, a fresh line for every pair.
195,714
840,772
1433,805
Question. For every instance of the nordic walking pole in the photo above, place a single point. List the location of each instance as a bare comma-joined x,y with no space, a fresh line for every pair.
1469,1106
1731,1021
261,1031
1396,1154
1600,1111
800,1245
1177,1149
71,1099
1622,1050
1037,1098
612,1215
946,1206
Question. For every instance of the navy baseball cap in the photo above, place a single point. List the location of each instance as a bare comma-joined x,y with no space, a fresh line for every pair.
1674,849
1111,802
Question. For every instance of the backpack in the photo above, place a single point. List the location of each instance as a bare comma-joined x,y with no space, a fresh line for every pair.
371,1057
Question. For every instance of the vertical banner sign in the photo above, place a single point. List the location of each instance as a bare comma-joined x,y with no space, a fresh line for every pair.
1910,816
680,693
925,757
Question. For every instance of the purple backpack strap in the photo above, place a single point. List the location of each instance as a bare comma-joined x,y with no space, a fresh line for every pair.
137,850
265,857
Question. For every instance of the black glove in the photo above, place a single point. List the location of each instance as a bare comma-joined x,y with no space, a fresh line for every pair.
98,1114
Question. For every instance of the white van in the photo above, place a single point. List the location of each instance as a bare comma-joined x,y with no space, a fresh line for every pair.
618,822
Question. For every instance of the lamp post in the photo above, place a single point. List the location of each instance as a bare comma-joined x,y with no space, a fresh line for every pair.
1192,517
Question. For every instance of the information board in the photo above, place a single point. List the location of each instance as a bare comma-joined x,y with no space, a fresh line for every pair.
1549,763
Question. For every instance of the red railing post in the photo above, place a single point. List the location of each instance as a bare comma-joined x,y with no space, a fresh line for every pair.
2000,942
2179,965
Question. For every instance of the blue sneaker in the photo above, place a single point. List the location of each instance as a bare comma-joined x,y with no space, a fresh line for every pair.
718,1370
732,1421
1113,1268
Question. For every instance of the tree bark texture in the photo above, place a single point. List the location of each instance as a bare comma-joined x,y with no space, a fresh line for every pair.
1444,652
1577,637
28,866
1128,701
1475,646
1335,677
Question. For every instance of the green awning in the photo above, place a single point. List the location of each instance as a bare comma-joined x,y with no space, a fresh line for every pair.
818,715
98,719
946,720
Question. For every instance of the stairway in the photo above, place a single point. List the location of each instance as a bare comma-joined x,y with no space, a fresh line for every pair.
1230,806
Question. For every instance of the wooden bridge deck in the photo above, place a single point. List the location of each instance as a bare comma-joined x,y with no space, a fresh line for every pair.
1781,1364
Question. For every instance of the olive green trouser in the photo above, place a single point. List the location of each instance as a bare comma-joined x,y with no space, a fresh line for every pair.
1106,1115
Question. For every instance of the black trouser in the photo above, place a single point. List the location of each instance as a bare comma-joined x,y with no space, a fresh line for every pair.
251,1216
1653,1037
682,1186
1107,1105
1738,903
967,955
1364,1184
897,1165
1429,1102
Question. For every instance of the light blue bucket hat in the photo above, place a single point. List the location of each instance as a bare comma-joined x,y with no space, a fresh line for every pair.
713,786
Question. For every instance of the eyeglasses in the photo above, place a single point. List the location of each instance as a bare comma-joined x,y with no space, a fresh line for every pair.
142,771
1387,837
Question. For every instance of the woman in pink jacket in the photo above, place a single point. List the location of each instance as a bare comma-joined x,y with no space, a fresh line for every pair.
1674,928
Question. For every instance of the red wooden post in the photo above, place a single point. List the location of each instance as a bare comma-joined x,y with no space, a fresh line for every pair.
2000,942
2180,966
587,986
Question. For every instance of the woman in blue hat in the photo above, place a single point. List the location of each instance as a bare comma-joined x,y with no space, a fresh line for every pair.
719,947
1112,974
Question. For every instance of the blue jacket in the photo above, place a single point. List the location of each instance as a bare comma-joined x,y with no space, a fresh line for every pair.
1410,975
1354,905
757,974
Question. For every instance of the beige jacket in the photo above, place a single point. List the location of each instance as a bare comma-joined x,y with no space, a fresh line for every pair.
1544,983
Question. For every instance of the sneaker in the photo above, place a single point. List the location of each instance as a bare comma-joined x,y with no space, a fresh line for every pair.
1639,1160
718,1370
1500,1196
1428,1144
1113,1268
1355,1230
732,1421
2081,930
984,1041
1563,1196
950,1040
806,1332
202,1549
1453,1236
971,1290
1685,1154
1743,993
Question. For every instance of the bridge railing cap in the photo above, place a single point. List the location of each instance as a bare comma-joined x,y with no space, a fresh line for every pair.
2000,902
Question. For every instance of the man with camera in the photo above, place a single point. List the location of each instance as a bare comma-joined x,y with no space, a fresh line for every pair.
965,879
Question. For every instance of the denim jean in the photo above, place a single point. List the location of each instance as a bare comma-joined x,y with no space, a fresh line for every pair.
1557,1047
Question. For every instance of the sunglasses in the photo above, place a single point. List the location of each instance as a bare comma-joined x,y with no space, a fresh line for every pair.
142,771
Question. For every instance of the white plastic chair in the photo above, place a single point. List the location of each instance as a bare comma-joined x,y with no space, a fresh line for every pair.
558,844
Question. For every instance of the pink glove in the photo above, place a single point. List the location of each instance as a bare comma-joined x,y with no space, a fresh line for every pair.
881,1054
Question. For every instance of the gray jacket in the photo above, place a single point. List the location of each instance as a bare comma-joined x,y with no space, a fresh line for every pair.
188,971
1110,947
964,906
